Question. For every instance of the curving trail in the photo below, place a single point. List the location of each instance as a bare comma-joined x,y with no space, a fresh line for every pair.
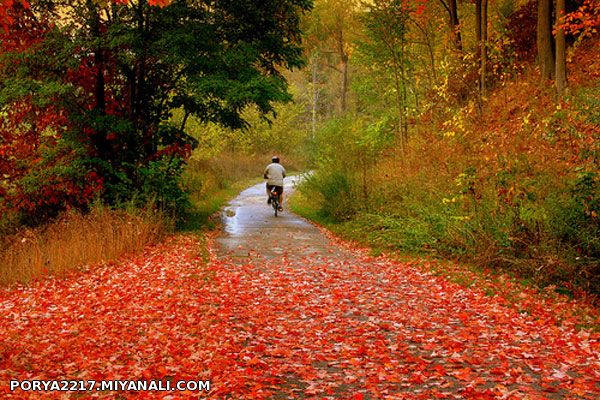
282,310
325,321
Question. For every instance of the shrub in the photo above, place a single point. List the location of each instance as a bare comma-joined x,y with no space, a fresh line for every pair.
162,186
39,180
575,219
335,190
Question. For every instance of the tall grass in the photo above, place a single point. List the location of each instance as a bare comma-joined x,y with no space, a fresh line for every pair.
204,177
75,240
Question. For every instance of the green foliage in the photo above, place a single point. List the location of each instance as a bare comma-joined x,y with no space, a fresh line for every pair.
503,180
575,220
161,185
345,150
385,49
337,197
587,102
285,133
352,142
114,72
60,177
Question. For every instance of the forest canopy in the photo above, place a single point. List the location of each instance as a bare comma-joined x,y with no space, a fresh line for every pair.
88,88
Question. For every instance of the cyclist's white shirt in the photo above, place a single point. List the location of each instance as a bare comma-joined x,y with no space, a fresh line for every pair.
274,173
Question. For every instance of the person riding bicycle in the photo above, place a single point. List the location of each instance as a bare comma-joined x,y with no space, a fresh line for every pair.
274,174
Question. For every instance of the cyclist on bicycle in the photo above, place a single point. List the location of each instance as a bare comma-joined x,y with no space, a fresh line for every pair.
274,174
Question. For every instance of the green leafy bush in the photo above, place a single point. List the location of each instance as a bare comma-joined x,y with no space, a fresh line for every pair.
161,185
575,219
337,200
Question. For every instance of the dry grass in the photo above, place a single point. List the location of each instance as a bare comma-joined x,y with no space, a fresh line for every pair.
205,177
76,240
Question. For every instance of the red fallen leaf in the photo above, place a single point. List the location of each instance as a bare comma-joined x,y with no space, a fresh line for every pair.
358,396
439,369
550,389
464,374
254,361
255,332
386,326
260,348
280,352
417,378
560,375
311,389
362,350
498,371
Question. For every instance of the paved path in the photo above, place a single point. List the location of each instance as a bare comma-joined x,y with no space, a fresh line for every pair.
251,230
320,320
282,312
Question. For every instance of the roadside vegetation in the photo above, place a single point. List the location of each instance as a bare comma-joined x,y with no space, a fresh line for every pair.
432,150
122,121
76,239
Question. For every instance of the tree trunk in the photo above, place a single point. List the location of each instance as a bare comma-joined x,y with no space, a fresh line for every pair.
147,126
478,26
344,84
399,107
455,25
561,48
99,138
313,111
483,46
545,46
478,40
343,70
365,171
404,94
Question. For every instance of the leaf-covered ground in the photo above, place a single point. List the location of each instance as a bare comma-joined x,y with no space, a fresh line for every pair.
355,327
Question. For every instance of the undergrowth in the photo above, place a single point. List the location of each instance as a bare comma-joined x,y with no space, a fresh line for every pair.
74,240
515,189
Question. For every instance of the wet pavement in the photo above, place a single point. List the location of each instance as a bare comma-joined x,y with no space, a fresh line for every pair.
252,232
303,316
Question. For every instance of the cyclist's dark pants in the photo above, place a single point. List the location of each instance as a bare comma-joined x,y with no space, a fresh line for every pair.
276,189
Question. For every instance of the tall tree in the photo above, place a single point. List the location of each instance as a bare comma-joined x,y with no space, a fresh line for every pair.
561,59
123,66
330,27
386,29
483,44
545,45
452,8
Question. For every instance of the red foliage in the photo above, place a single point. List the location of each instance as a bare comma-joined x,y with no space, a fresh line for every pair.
521,31
585,20
159,3
181,150
34,163
31,175
31,180
7,7
359,327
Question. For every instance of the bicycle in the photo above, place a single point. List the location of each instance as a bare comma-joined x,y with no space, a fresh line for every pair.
275,201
